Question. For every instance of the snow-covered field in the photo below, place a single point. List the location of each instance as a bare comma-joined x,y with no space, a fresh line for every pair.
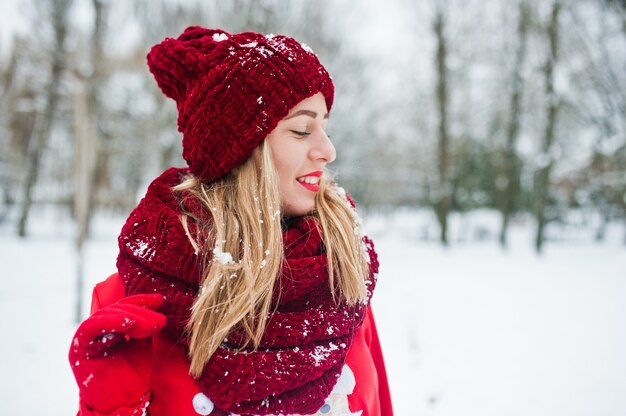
467,331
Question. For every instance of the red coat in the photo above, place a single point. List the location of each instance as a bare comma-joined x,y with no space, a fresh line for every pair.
173,389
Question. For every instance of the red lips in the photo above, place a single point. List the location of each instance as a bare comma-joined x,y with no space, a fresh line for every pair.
317,173
314,187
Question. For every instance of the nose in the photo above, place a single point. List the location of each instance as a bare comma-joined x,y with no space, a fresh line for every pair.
324,149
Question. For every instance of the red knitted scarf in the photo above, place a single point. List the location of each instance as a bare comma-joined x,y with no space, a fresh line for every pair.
306,339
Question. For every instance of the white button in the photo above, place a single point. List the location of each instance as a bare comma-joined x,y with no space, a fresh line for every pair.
202,404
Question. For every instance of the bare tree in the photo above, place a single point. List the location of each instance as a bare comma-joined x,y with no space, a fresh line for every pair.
94,82
8,76
19,112
59,12
445,190
614,98
542,175
91,158
509,189
83,133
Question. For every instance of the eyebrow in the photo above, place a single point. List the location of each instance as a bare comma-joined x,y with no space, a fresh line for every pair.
309,113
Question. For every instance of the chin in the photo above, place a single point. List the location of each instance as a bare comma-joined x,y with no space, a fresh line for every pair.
298,210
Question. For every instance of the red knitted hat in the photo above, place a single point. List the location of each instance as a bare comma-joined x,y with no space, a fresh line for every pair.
231,91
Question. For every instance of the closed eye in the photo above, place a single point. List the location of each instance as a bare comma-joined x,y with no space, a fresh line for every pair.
300,133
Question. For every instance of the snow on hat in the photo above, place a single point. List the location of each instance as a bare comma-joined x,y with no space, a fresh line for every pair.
231,90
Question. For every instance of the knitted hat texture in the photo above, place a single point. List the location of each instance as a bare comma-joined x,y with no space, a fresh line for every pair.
231,90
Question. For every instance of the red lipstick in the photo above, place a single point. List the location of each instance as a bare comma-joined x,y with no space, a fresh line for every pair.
314,187
317,173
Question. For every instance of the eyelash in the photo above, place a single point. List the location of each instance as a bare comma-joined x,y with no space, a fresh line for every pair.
304,133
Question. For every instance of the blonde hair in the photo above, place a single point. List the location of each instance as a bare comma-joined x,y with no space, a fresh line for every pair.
243,251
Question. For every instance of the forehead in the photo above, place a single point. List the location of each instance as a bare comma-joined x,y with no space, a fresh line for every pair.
315,104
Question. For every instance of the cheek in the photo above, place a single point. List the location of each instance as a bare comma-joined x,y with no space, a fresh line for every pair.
283,159
286,169
283,175
286,182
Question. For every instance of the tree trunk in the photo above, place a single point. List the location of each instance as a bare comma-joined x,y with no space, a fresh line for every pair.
37,146
82,175
99,157
444,200
89,156
510,188
5,153
542,176
11,71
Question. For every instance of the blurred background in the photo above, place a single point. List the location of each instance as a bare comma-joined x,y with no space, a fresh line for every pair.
485,142
517,106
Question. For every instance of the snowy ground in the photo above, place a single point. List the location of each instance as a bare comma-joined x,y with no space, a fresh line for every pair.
467,331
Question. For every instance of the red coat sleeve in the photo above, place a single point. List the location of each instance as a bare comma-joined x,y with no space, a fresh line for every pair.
371,391
105,293
371,336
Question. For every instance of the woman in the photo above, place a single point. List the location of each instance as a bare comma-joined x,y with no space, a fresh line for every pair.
243,281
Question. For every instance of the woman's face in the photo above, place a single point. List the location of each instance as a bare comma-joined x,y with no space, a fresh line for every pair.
300,149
